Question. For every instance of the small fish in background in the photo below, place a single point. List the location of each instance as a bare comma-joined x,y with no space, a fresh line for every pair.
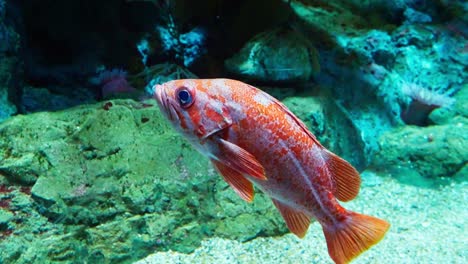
253,139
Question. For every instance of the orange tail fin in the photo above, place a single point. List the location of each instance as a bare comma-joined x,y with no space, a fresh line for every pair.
356,234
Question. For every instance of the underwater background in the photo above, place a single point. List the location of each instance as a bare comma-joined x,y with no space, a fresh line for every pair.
91,172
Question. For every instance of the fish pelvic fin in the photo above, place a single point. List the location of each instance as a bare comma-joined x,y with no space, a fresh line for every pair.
345,177
354,235
297,221
243,187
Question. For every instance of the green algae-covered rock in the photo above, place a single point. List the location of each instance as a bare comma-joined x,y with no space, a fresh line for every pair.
113,182
434,151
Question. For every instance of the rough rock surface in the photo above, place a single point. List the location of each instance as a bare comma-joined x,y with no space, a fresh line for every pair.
278,55
112,182
435,151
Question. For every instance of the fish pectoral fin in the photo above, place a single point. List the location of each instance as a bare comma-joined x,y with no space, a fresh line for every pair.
297,221
344,175
242,186
239,160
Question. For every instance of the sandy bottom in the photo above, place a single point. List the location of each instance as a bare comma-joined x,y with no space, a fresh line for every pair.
429,225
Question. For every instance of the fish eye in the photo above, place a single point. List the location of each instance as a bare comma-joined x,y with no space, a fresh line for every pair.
184,97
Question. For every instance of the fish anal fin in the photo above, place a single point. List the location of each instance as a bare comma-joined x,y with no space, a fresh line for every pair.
344,175
239,160
357,233
242,186
297,221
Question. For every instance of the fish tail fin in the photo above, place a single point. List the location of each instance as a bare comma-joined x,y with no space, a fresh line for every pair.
354,235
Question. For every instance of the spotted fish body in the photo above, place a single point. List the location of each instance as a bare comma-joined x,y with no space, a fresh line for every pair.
253,139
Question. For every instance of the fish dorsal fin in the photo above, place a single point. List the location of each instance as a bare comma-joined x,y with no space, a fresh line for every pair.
297,221
297,120
290,114
239,160
344,175
242,186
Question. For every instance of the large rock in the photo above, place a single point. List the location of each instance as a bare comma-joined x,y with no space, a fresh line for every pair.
435,151
113,182
278,55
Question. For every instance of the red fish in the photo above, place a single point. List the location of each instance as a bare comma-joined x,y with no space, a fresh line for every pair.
253,139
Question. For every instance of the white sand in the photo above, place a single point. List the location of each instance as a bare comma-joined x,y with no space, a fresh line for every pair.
429,225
